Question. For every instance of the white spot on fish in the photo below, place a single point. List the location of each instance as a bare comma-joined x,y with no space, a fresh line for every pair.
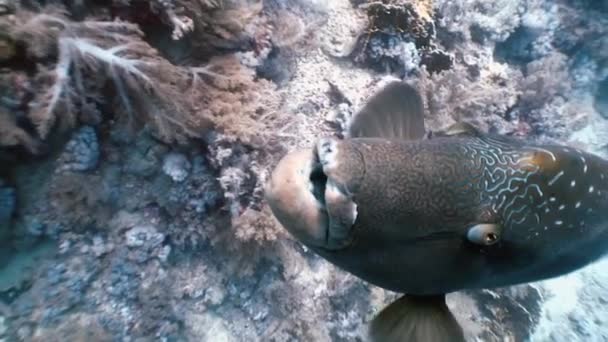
578,204
584,164
559,222
547,210
561,207
557,176
591,188
552,199
545,228
573,183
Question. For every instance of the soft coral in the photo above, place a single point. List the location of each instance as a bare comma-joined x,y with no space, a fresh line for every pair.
149,87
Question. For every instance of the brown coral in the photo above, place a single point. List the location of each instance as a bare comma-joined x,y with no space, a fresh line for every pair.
257,225
12,135
149,89
485,101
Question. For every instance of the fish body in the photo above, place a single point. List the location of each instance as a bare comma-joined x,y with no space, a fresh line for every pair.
427,215
417,200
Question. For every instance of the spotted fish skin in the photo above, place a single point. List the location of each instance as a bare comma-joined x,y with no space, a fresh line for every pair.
418,197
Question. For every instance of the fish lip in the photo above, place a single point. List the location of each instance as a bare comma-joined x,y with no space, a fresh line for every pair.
295,194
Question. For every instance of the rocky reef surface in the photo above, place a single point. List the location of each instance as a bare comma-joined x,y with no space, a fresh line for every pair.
135,137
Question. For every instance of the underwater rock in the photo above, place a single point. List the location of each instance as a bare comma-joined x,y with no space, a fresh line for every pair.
601,98
278,66
531,40
67,284
399,39
33,226
3,327
6,7
123,280
7,202
383,51
214,295
209,326
82,151
176,166
145,157
8,48
141,235
99,248
514,310
146,243
27,231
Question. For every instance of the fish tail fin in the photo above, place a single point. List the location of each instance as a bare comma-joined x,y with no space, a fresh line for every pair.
416,319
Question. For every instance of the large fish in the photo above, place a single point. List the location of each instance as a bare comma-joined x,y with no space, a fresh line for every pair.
428,214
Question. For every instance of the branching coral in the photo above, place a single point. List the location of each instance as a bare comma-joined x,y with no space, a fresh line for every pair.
223,23
209,25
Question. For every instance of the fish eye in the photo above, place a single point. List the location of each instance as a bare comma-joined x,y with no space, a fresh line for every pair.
491,238
484,234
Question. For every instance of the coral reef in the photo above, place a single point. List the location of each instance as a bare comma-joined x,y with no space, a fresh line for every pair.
136,137
7,202
400,37
81,153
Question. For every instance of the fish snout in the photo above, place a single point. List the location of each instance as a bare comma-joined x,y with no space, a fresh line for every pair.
311,191
295,195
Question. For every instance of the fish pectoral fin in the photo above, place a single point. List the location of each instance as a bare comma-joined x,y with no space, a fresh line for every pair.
460,129
396,111
484,234
342,212
416,319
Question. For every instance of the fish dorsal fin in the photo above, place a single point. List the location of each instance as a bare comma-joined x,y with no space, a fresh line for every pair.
396,111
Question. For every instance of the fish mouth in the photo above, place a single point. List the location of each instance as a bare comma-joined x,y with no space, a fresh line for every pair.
296,196
318,180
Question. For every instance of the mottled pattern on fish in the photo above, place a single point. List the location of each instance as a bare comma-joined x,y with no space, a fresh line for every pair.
436,189
537,188
426,214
